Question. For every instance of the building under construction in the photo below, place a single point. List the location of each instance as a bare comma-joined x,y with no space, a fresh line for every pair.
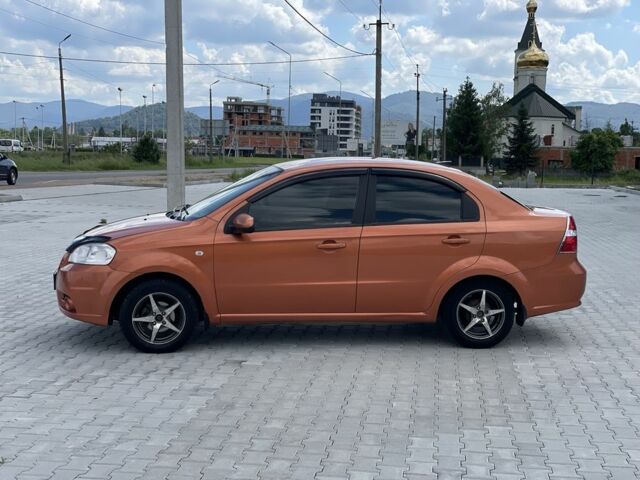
257,128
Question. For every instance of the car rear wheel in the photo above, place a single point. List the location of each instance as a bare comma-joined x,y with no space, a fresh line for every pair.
480,314
158,316
13,177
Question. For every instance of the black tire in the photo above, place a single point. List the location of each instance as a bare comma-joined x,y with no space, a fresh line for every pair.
473,327
165,294
12,178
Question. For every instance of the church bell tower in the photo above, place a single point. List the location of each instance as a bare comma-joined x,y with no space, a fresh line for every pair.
531,61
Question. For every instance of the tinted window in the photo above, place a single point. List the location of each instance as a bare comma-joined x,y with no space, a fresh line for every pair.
415,200
317,203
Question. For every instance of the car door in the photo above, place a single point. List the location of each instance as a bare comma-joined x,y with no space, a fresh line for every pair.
4,166
301,260
419,229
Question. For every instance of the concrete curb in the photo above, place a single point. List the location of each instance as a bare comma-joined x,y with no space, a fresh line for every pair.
10,198
633,191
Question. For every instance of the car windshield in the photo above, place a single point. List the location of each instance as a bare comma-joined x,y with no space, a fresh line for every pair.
213,202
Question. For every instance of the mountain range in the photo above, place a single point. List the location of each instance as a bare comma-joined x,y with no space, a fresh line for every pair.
397,107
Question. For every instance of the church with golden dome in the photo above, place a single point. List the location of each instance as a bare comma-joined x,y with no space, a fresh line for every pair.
556,125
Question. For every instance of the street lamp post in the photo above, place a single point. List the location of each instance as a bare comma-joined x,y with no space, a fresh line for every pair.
339,105
144,123
121,139
289,99
15,120
373,112
210,142
153,110
41,133
66,156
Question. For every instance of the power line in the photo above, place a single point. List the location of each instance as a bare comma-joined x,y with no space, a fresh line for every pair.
320,31
19,15
220,64
94,25
362,21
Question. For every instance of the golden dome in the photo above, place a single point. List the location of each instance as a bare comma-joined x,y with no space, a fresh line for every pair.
532,6
533,57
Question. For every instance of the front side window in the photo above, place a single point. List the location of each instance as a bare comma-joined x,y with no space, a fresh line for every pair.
406,200
316,203
218,199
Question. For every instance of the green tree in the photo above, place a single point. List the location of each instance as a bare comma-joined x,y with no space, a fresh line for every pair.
523,144
464,126
146,150
101,132
494,127
596,151
626,128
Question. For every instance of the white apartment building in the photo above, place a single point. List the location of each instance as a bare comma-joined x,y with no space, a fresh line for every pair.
337,116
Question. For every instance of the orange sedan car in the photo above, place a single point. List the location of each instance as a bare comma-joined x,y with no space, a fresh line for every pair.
328,240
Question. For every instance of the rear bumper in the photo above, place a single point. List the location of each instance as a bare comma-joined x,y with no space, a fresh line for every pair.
552,288
85,292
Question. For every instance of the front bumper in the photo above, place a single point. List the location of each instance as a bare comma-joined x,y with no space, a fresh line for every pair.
85,292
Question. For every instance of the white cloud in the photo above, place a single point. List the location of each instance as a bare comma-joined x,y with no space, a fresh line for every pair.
636,28
491,7
590,7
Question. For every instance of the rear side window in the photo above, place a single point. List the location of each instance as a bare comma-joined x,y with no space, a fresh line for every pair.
408,200
316,203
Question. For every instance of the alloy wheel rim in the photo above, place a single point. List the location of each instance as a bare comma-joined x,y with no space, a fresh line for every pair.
480,314
13,176
158,318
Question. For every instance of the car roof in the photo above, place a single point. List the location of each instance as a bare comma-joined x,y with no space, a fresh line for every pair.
339,162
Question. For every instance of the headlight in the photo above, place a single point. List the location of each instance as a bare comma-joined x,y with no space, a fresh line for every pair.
93,254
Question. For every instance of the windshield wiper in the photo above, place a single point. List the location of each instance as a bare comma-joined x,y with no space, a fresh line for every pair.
179,213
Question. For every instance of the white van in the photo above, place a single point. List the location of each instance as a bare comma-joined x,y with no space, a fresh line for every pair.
7,145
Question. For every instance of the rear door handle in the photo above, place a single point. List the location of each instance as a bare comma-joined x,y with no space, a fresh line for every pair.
456,241
331,245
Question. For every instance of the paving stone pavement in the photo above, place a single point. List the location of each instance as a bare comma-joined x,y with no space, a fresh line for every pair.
557,400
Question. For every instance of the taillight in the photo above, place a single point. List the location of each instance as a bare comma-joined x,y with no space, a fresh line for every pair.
570,240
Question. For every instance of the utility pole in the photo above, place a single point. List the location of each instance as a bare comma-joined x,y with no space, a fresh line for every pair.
175,104
211,120
121,139
66,155
377,147
418,132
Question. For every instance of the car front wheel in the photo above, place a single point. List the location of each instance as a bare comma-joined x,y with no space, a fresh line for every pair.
13,177
480,314
158,316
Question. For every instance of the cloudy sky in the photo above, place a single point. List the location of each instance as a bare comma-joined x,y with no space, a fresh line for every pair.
594,46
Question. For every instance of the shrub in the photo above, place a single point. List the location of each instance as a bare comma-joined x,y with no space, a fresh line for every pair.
146,150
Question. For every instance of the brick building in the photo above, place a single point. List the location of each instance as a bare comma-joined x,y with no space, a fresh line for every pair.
257,128
628,158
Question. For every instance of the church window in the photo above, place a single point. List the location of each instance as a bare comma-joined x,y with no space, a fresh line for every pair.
553,129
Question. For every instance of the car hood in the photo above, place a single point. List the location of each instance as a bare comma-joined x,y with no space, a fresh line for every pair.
134,226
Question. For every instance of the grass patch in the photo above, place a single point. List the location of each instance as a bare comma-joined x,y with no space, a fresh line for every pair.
104,161
238,175
619,179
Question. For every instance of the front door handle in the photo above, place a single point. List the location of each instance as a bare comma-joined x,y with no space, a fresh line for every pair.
456,240
331,245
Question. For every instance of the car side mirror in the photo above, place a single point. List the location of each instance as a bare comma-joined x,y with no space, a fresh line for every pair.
243,223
